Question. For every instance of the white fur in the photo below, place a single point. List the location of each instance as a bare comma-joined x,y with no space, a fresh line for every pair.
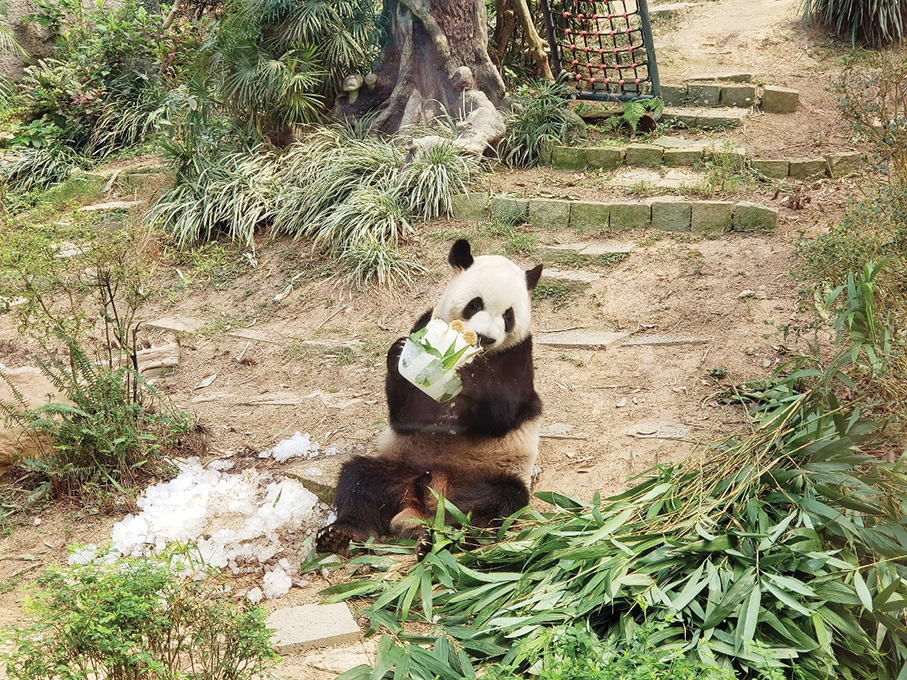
515,453
501,284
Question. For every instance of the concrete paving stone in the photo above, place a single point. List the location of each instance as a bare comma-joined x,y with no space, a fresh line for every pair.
471,206
773,169
659,430
574,280
669,142
688,156
752,217
807,168
578,339
509,208
704,94
777,99
587,216
629,216
179,324
549,213
568,158
113,205
684,116
740,96
843,164
645,155
570,247
674,95
663,341
312,625
711,218
729,77
604,157
671,215
600,248
721,118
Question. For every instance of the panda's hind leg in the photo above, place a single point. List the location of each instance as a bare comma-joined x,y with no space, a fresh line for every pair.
370,492
489,499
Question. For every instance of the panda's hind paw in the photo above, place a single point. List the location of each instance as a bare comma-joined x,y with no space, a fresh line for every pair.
333,539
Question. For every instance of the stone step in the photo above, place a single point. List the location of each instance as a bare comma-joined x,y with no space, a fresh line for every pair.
578,339
663,212
676,151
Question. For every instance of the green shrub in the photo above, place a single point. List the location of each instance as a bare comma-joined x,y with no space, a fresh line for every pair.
82,310
102,85
135,619
539,116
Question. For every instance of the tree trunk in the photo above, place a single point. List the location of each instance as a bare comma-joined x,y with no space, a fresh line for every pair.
435,63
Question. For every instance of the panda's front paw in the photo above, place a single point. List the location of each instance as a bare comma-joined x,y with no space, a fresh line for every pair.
423,546
333,539
393,356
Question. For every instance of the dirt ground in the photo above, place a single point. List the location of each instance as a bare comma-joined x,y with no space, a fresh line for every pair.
600,405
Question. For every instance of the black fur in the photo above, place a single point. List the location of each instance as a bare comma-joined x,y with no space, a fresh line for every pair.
498,394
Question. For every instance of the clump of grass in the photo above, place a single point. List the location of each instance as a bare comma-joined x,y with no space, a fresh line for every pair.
39,168
429,182
539,116
368,263
232,196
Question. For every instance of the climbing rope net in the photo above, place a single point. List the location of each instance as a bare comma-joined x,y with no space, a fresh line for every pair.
604,47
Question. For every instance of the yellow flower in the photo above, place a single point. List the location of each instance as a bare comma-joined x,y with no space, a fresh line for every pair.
457,325
470,337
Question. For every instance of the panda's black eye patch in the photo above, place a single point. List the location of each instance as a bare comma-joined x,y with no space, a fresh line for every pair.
509,320
474,306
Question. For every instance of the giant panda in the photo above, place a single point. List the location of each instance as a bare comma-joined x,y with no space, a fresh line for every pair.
477,450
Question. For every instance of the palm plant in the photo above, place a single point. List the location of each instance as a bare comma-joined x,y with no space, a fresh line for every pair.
277,63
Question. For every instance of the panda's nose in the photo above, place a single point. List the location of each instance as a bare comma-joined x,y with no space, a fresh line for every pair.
484,340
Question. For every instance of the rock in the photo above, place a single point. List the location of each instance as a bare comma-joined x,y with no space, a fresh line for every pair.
773,169
568,158
472,206
704,94
711,218
752,217
156,362
671,215
574,280
549,213
779,99
807,168
35,390
604,157
578,339
181,324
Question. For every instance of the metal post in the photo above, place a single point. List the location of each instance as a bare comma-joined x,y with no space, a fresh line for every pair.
650,46
552,39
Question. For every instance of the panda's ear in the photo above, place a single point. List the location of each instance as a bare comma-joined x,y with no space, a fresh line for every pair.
533,276
460,256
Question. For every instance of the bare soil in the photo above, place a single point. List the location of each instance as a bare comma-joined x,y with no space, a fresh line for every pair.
599,404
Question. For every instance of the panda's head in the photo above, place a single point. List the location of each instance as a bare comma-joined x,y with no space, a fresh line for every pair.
491,295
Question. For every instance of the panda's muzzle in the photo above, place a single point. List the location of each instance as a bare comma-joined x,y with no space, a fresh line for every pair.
484,340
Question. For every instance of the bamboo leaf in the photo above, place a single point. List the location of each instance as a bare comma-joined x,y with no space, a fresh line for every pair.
862,591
